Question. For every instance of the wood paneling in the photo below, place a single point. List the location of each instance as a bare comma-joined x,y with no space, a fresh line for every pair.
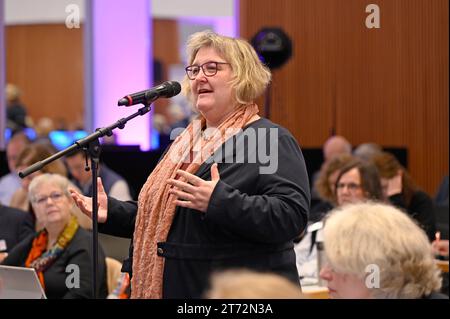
165,41
387,85
46,62
166,50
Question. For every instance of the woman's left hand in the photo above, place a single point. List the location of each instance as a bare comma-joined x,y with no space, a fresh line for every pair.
195,192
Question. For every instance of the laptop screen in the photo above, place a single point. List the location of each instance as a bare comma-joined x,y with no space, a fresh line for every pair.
20,283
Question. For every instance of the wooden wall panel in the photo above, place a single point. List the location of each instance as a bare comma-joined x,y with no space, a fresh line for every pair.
46,62
165,41
165,49
387,85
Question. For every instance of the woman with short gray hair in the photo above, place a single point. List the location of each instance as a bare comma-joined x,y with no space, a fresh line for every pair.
62,248
374,250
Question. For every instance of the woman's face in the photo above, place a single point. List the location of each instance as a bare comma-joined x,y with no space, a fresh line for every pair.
344,286
213,96
349,189
51,205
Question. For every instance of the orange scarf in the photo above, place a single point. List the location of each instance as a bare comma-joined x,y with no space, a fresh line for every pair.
38,247
156,207
40,258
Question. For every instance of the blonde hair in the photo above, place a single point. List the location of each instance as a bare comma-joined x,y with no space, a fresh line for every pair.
359,235
250,77
246,284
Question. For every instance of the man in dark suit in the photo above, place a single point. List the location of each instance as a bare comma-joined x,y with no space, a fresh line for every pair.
15,225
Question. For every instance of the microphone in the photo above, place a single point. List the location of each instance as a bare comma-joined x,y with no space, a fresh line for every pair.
167,89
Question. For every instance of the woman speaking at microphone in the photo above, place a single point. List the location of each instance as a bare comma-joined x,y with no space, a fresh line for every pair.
231,191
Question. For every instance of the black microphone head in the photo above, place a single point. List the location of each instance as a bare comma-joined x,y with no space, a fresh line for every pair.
173,88
123,101
167,89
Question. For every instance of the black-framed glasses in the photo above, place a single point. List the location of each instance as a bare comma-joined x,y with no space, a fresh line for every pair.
208,68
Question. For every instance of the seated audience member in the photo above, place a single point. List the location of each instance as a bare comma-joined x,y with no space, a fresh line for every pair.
43,128
246,284
11,181
114,184
60,243
357,182
15,225
325,186
367,151
374,250
441,198
400,189
333,146
16,112
30,155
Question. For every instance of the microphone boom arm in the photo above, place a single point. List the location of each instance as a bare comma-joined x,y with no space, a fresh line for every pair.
84,142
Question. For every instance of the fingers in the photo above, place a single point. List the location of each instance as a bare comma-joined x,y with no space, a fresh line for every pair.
84,207
215,176
74,194
100,185
186,204
182,195
81,202
181,185
194,180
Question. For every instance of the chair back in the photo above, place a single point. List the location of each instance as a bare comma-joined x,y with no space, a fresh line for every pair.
113,272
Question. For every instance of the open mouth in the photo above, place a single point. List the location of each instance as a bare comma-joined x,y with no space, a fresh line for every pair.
204,91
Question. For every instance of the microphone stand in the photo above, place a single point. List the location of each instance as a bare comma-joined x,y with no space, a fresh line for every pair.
92,145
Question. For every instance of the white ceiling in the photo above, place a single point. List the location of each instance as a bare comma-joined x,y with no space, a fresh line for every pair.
54,11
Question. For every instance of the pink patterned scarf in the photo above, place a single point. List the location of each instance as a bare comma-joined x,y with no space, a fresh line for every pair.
156,207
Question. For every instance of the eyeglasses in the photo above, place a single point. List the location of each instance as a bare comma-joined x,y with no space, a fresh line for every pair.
209,69
56,197
350,186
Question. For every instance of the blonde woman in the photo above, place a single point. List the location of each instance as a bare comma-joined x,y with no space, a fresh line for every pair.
208,205
377,251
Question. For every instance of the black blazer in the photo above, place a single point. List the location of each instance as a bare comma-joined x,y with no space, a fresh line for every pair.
15,225
251,220
78,253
